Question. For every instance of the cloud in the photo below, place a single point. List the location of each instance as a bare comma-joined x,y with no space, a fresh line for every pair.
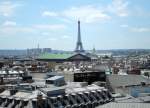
91,13
50,27
119,7
49,14
7,8
9,23
140,29
52,39
45,33
138,11
87,14
65,37
11,30
124,25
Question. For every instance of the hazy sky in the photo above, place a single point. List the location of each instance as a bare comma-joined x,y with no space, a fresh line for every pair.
105,24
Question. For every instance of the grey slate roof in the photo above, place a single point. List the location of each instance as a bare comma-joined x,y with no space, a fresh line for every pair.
125,105
145,98
130,100
126,80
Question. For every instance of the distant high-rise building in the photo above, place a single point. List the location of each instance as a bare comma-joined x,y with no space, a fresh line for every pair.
79,46
38,51
46,50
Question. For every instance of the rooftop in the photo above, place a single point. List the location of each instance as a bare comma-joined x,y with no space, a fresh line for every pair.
64,56
55,56
125,105
55,78
127,80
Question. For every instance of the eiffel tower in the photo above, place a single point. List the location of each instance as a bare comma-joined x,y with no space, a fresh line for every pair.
79,46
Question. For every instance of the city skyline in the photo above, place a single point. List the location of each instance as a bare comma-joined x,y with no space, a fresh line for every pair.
111,24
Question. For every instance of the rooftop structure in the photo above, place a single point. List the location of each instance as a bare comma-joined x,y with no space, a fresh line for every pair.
56,80
56,97
10,72
134,85
55,56
125,105
63,57
127,80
